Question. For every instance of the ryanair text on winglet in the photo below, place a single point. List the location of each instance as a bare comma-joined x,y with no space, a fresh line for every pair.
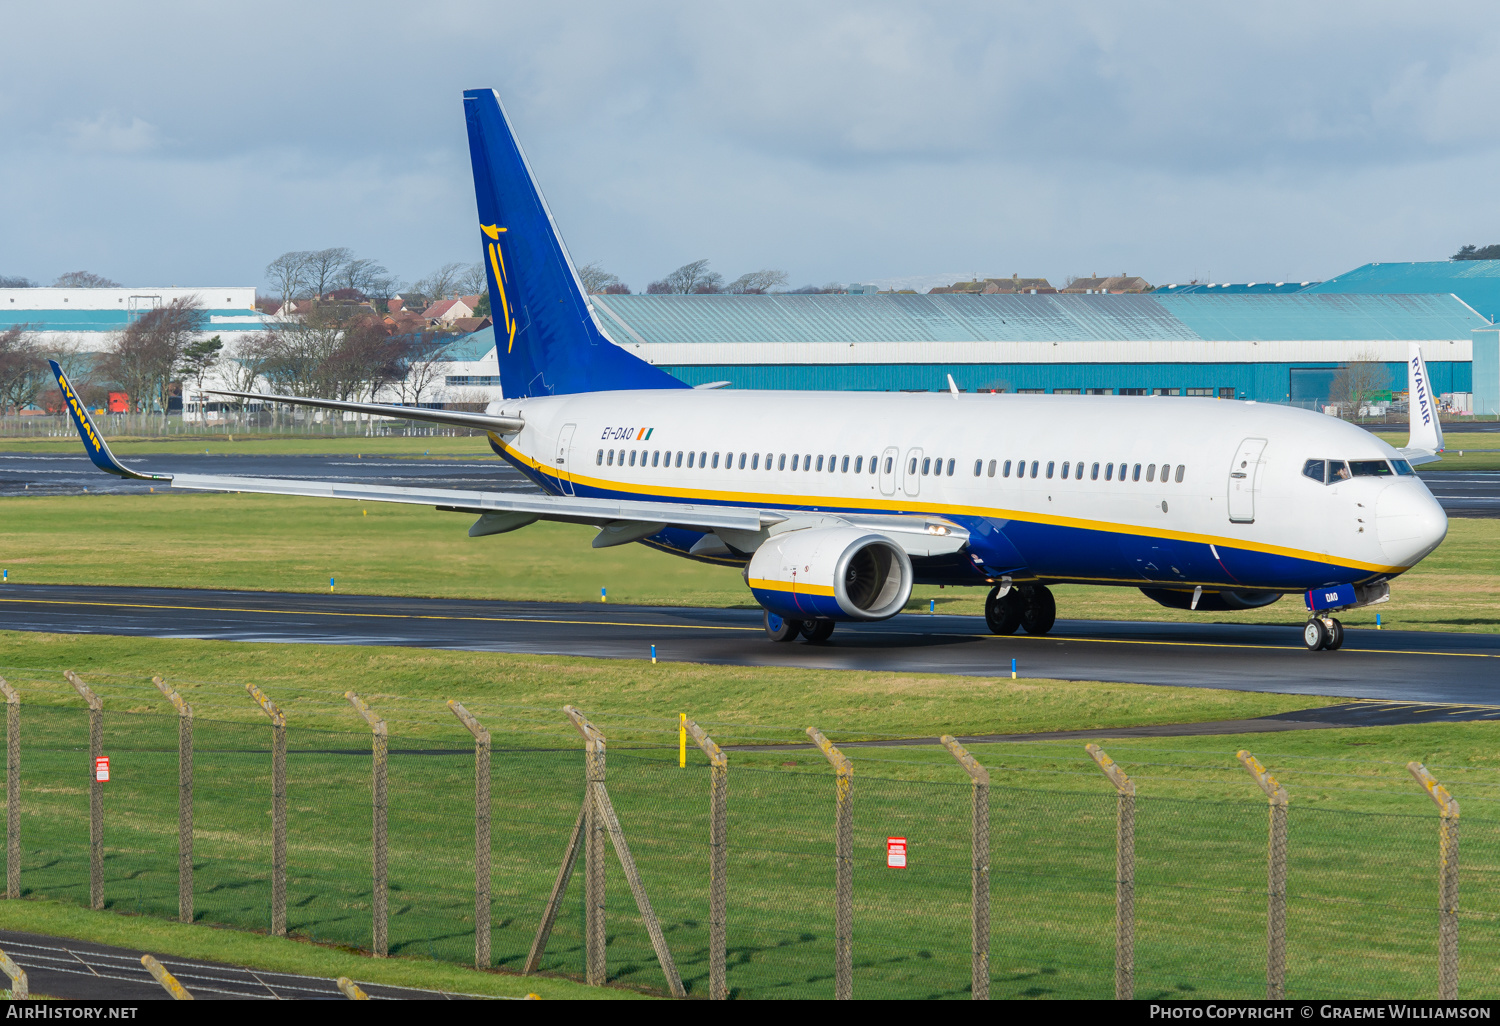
78,417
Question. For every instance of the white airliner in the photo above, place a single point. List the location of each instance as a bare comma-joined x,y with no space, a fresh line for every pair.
835,504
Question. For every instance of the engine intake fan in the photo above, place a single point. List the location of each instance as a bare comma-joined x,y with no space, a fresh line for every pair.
830,573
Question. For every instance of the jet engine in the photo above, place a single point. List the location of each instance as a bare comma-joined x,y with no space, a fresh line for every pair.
830,573
1221,601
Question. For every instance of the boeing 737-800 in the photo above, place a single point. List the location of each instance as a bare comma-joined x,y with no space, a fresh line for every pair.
835,504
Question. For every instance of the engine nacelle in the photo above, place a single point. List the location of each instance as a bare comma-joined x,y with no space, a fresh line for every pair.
830,573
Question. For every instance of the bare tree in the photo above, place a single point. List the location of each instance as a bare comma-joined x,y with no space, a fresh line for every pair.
324,267
596,279
363,276
23,370
420,374
15,281
288,274
84,280
694,277
757,282
473,281
1356,382
442,283
145,356
81,367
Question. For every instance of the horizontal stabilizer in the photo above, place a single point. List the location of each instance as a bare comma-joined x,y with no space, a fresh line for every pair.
481,421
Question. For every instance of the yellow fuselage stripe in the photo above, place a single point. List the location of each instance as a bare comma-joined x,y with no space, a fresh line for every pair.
836,504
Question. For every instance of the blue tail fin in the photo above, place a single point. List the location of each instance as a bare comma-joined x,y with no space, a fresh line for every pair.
93,442
546,336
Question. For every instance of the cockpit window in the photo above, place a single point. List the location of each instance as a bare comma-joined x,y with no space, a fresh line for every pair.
1402,467
1338,471
1314,469
1370,468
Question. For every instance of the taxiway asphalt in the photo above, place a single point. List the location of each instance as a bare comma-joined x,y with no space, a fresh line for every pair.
1389,665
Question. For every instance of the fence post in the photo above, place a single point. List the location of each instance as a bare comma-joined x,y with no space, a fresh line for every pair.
843,860
979,985
595,967
481,834
278,810
1447,882
96,791
167,980
12,790
19,987
718,852
1275,877
184,800
1124,874
378,748
603,812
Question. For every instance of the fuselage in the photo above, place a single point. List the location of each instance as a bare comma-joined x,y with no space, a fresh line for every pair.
1136,491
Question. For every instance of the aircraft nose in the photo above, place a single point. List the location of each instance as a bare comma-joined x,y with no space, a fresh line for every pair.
1409,522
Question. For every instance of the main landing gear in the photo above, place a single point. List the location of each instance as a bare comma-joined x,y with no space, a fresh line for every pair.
1323,632
1030,607
782,629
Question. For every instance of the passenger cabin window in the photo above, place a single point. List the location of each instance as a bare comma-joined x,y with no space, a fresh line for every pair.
1109,472
951,465
978,467
859,464
992,468
1151,472
844,466
1034,465
599,460
1050,465
1065,470
716,461
1094,474
1137,475
1007,469
926,466
1180,469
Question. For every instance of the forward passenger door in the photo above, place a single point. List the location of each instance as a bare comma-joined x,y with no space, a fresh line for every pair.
1244,478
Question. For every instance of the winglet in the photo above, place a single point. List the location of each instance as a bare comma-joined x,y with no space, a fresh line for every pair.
1426,432
93,442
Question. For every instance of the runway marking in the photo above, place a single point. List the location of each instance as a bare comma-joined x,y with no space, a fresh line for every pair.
702,627
387,616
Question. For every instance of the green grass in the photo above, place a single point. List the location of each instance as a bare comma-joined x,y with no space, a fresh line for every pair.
277,543
266,445
1362,854
409,686
279,954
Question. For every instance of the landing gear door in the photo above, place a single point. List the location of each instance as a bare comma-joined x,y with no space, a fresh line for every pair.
890,466
560,466
1244,478
911,480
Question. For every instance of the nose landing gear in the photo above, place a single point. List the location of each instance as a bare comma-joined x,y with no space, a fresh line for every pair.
1323,633
1029,607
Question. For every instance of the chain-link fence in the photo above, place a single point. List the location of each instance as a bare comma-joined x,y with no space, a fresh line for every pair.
1361,916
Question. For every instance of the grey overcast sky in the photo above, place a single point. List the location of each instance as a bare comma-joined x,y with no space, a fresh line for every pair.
191,143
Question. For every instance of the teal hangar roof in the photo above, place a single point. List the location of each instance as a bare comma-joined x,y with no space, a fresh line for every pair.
1476,282
1156,316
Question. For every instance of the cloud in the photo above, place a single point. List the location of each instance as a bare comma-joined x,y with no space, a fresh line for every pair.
840,140
110,134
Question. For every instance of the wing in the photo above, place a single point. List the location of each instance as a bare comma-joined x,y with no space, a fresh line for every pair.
483,421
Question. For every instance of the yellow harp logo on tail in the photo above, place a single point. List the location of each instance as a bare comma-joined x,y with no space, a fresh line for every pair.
497,265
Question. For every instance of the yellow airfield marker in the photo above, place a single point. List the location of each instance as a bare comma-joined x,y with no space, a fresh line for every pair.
682,741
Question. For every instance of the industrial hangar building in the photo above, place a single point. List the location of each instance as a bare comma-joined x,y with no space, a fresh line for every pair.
1267,347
